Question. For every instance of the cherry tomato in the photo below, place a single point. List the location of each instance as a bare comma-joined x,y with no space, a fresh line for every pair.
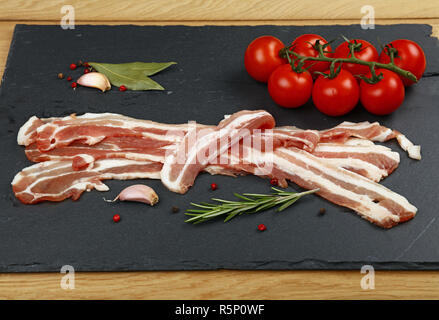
303,45
288,88
366,52
337,96
262,57
410,57
383,97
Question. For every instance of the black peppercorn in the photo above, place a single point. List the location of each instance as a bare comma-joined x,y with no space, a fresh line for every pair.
175,209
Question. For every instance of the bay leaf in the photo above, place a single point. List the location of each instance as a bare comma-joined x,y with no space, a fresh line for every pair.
133,75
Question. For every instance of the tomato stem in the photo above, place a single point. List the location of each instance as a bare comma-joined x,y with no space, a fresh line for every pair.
288,52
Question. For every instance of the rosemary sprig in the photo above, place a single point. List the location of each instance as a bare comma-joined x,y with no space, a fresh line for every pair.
250,203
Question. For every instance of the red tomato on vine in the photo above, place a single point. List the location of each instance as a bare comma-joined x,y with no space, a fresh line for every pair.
289,88
410,57
383,97
303,45
337,96
366,51
262,57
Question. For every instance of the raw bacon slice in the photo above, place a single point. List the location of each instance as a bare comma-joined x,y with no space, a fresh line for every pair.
357,155
361,156
294,137
369,199
83,155
28,132
92,128
201,147
72,128
103,122
56,180
370,131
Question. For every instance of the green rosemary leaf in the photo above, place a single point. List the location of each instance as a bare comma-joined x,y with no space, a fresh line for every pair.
242,197
224,201
201,206
208,204
197,211
231,216
266,206
287,204
256,195
191,214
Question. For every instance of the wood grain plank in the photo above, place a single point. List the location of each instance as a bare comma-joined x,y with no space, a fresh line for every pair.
224,284
213,10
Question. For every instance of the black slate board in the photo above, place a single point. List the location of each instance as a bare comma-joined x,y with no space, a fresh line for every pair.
208,82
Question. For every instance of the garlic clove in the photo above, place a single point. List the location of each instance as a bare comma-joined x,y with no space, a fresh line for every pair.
139,193
95,80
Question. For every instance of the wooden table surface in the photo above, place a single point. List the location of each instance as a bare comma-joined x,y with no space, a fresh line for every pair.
223,284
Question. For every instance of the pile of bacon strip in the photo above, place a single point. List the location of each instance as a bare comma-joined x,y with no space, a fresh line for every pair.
76,153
